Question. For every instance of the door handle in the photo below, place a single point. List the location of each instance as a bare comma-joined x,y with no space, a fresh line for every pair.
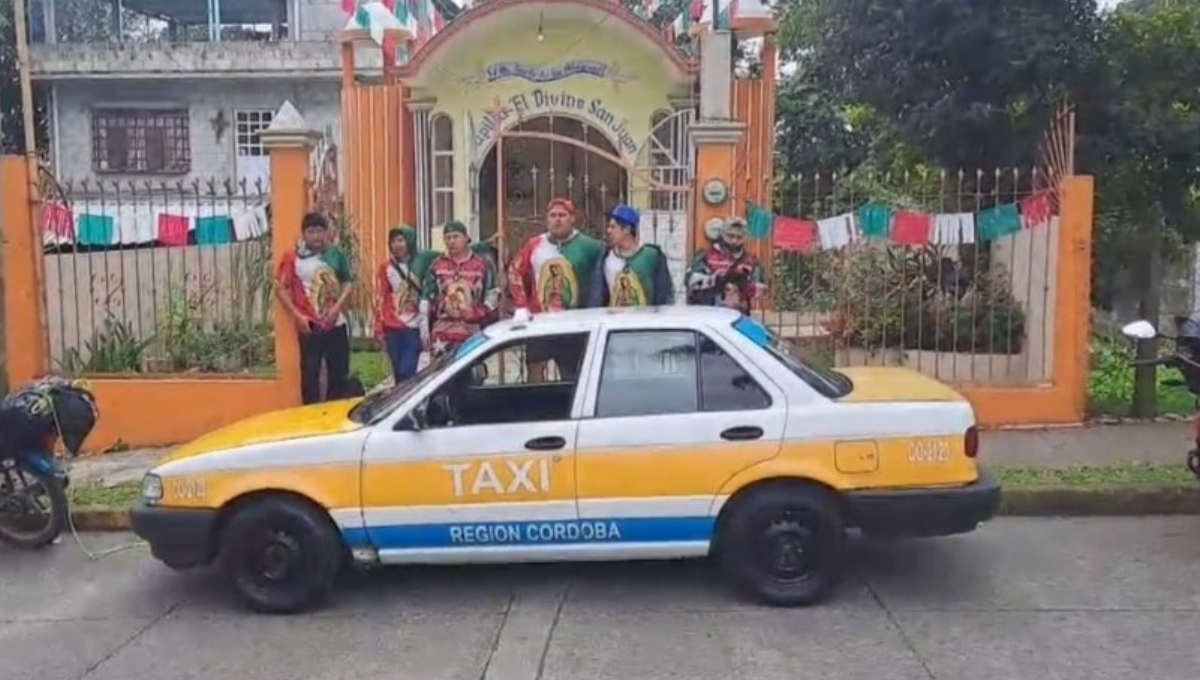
744,433
545,444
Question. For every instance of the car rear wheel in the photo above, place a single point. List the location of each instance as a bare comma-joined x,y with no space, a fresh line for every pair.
784,544
282,555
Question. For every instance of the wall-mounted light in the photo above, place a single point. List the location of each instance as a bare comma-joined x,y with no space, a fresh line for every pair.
541,36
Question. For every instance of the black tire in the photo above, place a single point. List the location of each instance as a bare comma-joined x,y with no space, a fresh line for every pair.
280,533
59,510
784,544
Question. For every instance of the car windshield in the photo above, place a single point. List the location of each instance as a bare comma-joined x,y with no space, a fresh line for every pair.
827,381
379,404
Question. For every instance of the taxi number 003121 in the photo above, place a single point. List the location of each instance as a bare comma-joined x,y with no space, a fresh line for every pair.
926,451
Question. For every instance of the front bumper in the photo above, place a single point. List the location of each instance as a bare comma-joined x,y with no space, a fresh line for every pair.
919,513
181,538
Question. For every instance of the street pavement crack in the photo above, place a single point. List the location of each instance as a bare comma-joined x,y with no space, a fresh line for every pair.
541,667
133,638
895,624
487,663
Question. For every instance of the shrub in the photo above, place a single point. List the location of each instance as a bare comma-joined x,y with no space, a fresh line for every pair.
882,297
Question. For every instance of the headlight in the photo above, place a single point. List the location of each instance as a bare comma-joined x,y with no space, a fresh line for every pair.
152,487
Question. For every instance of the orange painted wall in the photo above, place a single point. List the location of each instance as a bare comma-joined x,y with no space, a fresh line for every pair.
1065,401
754,156
378,163
148,410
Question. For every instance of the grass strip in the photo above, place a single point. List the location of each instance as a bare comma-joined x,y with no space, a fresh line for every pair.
105,497
1095,476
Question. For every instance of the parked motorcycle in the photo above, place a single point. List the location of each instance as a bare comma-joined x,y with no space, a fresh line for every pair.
1183,357
33,420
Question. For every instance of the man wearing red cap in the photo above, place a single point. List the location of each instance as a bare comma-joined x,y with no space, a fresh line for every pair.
550,273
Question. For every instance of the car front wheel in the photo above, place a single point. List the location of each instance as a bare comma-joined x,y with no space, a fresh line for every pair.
784,544
282,555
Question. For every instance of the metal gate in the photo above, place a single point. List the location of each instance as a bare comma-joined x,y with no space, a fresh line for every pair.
663,180
563,157
544,158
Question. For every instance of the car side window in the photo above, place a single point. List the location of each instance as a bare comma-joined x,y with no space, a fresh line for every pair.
648,373
725,385
523,381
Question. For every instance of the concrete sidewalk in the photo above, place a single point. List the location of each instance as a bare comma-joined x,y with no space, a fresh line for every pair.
1158,443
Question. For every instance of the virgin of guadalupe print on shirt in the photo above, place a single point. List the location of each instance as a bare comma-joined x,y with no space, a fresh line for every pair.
558,285
627,290
404,295
458,300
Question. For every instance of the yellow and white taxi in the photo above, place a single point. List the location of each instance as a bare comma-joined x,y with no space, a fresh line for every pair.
667,432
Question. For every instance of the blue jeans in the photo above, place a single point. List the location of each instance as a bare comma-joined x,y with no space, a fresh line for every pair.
404,351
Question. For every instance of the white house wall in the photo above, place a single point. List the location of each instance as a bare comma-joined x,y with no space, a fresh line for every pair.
212,157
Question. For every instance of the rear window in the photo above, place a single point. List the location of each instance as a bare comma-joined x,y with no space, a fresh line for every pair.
827,381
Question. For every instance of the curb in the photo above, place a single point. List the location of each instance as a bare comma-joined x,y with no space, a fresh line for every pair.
1129,501
1099,501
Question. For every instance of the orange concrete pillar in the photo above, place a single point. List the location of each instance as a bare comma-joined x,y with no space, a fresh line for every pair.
1072,323
290,142
715,143
24,331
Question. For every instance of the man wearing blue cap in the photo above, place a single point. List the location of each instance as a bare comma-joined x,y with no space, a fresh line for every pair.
630,273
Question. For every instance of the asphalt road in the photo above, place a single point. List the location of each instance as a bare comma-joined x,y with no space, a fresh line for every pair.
1048,599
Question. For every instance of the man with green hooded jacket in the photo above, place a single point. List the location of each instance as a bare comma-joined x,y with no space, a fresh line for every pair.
401,329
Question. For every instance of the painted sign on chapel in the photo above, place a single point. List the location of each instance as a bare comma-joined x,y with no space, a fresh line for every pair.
539,101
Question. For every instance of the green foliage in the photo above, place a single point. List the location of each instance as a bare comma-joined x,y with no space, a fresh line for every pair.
881,297
1146,147
113,348
190,342
964,83
1111,379
371,367
241,340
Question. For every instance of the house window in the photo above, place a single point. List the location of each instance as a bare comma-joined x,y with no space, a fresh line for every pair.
246,128
442,155
141,141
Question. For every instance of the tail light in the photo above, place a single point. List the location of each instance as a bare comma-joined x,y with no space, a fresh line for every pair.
971,441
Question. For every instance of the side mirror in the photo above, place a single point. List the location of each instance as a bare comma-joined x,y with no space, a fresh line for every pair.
1139,330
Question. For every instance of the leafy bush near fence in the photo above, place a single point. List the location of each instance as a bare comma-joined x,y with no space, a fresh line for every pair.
877,297
203,326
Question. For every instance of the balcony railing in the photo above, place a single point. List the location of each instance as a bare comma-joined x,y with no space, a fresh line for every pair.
159,21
